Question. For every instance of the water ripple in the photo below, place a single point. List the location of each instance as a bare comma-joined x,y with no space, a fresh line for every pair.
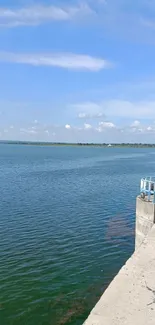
66,228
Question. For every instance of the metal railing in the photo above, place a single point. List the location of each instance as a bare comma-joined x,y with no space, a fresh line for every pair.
147,188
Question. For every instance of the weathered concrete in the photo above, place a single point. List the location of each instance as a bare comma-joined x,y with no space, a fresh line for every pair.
130,298
145,218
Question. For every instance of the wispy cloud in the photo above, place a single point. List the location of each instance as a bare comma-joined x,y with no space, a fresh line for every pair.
117,108
148,23
69,61
28,131
88,110
114,16
38,14
90,115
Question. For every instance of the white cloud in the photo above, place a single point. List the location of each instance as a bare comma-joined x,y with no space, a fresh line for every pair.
113,16
105,125
82,115
139,128
87,126
135,124
69,61
149,128
67,126
38,14
87,107
88,110
90,116
105,131
137,109
119,108
28,131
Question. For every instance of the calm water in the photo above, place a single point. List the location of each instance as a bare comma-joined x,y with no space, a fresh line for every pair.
66,227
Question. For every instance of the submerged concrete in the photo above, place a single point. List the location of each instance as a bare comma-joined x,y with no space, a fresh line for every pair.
130,298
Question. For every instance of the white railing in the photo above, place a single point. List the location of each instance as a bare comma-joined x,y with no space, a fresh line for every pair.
147,188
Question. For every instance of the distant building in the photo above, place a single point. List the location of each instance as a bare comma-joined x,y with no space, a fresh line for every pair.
109,145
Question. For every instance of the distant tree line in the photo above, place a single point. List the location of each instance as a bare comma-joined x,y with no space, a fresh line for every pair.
132,145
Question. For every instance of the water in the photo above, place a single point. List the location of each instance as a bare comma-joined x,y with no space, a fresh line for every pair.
66,227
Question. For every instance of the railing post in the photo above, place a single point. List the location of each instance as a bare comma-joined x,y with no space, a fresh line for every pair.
149,190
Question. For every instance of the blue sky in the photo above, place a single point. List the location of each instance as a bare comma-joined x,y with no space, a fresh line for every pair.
77,71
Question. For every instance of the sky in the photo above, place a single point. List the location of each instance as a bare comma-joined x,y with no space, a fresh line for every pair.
77,70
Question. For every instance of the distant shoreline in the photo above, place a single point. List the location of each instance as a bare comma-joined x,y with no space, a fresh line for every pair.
104,145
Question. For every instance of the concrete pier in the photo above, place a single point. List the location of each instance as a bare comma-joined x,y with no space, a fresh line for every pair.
130,298
145,217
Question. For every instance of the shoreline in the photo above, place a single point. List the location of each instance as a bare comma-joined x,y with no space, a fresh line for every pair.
103,145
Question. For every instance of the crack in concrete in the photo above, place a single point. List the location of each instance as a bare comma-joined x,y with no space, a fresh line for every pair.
153,291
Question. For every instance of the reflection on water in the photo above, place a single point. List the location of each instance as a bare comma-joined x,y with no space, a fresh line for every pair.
119,226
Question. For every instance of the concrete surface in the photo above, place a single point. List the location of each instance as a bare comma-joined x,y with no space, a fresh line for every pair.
145,217
130,298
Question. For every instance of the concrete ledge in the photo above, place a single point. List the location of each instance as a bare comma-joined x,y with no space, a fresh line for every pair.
130,298
145,217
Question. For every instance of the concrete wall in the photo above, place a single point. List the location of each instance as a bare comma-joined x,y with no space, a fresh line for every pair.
130,298
145,218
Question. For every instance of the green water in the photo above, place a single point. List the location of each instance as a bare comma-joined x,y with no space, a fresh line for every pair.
66,227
